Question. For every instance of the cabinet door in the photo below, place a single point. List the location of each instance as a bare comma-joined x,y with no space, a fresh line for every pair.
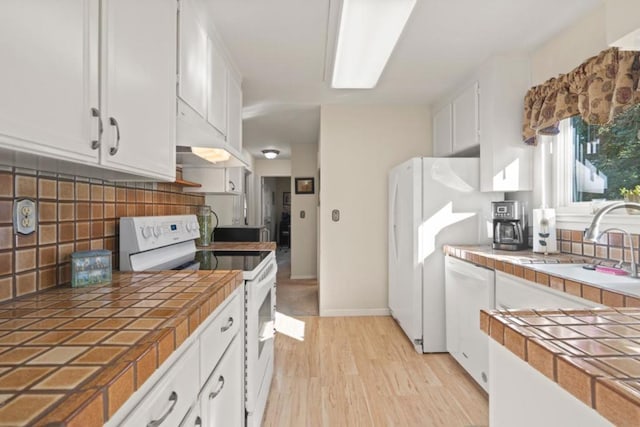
217,93
49,77
465,119
234,131
193,73
222,396
234,180
442,132
138,86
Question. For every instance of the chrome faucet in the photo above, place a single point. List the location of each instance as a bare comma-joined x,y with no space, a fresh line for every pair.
593,232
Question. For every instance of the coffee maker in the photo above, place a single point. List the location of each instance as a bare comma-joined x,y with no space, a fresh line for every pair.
509,226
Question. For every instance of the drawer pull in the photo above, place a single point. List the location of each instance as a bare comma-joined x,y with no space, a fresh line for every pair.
173,398
199,421
213,394
229,324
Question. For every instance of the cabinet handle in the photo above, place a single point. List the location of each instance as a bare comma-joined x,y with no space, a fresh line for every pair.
198,421
95,144
113,122
213,394
233,186
173,398
229,324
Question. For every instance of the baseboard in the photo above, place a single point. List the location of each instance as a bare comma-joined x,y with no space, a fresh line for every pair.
354,312
303,277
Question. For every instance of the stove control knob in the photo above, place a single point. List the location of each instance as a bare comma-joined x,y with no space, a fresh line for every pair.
188,226
157,231
146,231
195,227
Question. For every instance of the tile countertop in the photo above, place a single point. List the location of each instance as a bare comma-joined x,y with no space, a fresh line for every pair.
525,264
241,246
73,356
593,354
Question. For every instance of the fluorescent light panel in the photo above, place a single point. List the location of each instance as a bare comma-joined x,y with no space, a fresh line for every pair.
369,30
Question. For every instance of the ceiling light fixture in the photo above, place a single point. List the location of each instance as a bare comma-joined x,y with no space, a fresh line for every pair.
270,153
369,30
213,155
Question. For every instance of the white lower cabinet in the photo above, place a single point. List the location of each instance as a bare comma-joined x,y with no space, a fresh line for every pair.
171,397
515,293
522,396
201,383
222,396
468,289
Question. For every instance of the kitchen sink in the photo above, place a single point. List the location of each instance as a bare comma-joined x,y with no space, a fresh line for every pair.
576,272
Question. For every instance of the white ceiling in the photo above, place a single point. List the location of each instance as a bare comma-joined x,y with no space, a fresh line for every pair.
284,51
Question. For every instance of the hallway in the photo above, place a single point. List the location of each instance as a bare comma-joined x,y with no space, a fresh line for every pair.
294,297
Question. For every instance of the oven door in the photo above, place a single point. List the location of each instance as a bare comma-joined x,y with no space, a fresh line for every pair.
260,323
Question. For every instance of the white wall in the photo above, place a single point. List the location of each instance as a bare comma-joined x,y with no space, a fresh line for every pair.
571,47
304,164
358,146
223,206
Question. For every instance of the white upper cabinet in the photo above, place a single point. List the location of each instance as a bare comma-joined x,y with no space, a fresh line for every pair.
234,133
138,96
487,114
465,119
209,90
442,131
217,89
193,72
49,77
506,163
90,83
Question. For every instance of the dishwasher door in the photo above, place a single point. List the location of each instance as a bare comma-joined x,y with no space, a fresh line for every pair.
468,289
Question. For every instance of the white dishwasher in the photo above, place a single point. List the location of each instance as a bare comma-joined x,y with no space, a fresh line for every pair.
468,289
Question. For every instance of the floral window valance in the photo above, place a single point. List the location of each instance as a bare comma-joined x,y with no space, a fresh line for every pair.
598,90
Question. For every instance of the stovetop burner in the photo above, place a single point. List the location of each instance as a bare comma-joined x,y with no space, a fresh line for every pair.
225,260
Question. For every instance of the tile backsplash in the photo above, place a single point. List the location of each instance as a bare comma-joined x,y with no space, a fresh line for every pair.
74,214
611,246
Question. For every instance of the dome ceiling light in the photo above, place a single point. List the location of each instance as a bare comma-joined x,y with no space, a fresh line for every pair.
270,153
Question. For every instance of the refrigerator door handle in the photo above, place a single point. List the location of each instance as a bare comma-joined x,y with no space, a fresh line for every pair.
394,224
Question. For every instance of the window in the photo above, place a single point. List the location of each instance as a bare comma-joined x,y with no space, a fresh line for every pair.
594,162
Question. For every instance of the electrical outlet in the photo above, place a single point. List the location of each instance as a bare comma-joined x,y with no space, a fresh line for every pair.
24,216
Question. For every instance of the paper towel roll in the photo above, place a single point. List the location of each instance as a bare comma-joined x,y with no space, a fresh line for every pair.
544,231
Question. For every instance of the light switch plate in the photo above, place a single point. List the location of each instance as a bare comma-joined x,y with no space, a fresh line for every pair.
24,216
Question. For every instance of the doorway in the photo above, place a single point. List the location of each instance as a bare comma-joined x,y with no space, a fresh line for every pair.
276,209
295,297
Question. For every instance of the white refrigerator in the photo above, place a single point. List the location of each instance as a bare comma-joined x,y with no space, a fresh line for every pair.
432,202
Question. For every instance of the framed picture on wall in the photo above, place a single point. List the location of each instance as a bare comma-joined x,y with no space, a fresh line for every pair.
304,186
286,198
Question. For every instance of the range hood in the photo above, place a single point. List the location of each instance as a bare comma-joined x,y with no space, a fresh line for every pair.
194,132
185,156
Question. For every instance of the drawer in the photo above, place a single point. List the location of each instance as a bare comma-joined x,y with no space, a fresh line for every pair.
221,400
217,335
171,397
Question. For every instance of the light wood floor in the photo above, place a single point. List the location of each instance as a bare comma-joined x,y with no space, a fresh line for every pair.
362,371
294,297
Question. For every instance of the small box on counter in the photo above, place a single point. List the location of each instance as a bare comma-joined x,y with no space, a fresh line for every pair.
90,268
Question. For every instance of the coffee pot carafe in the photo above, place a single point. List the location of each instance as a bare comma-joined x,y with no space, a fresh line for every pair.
509,226
205,217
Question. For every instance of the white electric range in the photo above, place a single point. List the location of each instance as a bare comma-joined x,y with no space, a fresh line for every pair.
155,243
